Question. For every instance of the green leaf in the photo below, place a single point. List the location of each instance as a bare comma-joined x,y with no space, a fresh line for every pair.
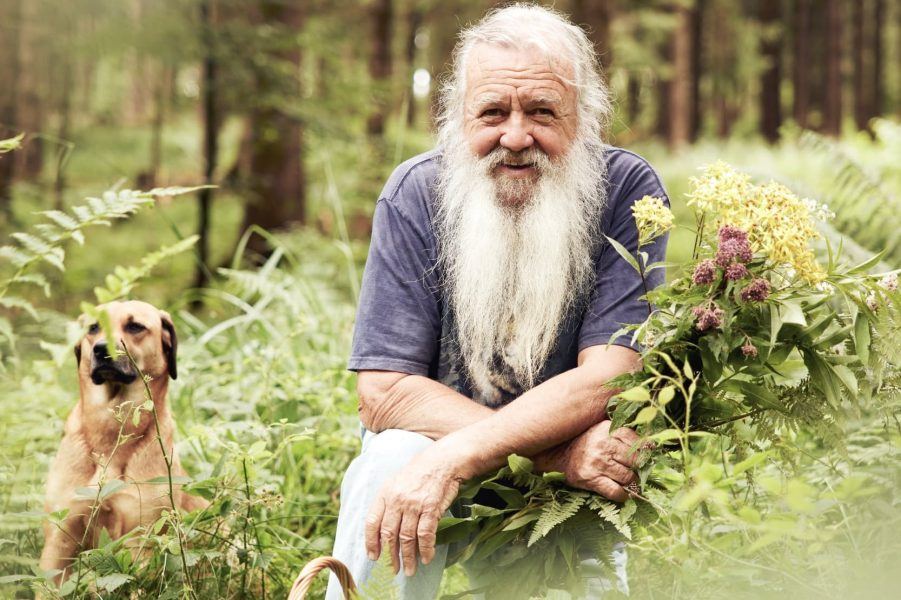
520,465
862,338
847,377
110,487
666,395
176,480
624,253
666,435
521,520
750,462
791,312
635,394
645,415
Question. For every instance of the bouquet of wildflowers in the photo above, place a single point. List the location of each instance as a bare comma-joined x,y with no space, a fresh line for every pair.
755,344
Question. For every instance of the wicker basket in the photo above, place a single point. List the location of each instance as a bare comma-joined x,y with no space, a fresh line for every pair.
305,579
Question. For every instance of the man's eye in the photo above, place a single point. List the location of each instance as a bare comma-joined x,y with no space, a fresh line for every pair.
94,328
544,112
492,112
134,327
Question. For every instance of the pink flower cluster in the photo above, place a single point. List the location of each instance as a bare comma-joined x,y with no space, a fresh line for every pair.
708,318
749,350
756,291
733,248
705,272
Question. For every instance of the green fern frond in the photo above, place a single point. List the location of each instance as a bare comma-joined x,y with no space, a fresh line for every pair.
553,514
380,585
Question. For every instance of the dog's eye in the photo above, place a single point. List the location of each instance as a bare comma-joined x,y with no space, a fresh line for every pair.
134,327
94,328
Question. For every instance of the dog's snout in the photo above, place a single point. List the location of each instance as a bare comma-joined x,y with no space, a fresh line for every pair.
101,350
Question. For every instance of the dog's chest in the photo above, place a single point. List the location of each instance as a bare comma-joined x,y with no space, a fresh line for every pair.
136,503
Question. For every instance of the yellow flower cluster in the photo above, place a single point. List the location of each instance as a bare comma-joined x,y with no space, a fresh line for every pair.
780,225
652,217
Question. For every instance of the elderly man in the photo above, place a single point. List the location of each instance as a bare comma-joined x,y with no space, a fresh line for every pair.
489,297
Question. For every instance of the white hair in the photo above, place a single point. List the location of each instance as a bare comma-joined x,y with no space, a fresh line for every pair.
526,26
516,255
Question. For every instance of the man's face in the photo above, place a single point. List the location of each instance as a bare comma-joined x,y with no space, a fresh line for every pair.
518,103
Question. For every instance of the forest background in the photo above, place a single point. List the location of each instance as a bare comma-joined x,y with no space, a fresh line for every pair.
296,112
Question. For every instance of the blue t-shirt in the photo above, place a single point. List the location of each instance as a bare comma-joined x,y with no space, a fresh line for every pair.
402,319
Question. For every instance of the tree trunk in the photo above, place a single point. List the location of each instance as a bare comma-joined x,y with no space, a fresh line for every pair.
29,114
10,23
414,20
801,64
598,16
380,65
878,41
65,121
723,56
832,109
633,96
697,57
680,85
159,118
211,122
860,81
276,187
771,52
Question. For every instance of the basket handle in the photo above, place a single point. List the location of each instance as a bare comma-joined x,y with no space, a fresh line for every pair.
305,580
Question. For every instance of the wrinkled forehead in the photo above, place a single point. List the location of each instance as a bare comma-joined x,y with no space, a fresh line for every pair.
496,70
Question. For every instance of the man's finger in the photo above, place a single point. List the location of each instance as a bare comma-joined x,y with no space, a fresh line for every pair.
408,541
625,435
610,489
388,536
373,527
619,473
426,532
625,454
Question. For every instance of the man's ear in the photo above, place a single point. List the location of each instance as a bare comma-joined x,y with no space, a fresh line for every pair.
170,343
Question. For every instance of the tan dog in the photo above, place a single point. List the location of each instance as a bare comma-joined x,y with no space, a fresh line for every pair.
110,390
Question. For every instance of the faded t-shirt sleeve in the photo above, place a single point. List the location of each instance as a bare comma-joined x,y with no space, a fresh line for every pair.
615,300
398,324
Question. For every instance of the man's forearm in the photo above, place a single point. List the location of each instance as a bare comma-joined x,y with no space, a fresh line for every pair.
552,413
422,405
573,401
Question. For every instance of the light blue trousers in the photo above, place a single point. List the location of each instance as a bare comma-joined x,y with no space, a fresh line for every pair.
382,456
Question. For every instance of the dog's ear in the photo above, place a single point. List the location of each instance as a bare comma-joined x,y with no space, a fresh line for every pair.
170,343
78,355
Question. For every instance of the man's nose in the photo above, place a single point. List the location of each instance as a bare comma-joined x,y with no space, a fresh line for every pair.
517,133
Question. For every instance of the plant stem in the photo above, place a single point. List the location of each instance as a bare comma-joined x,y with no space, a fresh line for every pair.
167,458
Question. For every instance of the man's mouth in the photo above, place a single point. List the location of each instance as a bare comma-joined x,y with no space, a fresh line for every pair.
517,169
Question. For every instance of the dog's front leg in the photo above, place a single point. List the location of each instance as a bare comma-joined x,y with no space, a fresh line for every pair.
63,540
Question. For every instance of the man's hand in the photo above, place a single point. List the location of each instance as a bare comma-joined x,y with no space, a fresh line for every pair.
598,460
408,509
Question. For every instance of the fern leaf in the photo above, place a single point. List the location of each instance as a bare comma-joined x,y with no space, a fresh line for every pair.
614,515
17,256
380,585
553,514
34,279
14,302
32,243
61,219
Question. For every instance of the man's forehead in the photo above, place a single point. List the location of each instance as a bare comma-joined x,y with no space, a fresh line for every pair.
493,68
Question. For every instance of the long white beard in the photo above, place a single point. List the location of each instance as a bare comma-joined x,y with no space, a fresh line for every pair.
511,271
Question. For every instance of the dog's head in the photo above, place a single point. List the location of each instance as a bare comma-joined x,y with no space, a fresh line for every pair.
147,333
